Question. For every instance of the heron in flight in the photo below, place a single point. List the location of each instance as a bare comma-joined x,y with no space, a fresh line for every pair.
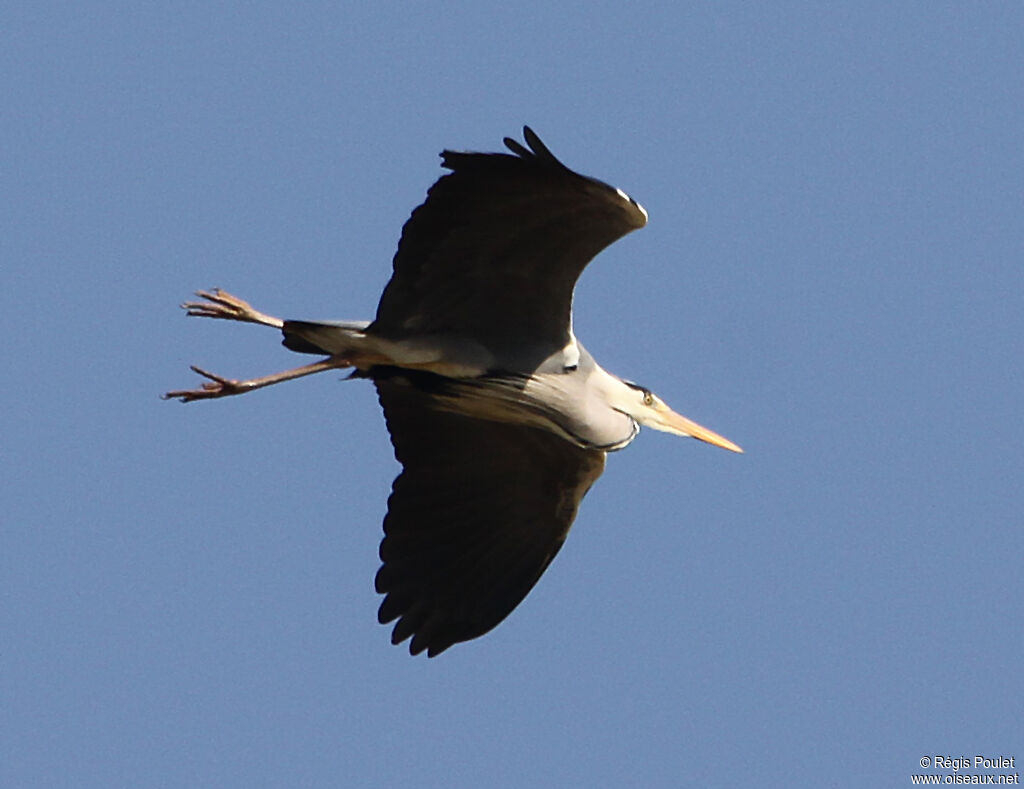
500,418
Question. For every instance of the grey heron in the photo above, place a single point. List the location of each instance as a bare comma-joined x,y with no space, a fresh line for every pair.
499,417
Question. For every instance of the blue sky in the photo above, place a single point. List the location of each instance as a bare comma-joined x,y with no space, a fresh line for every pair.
832,277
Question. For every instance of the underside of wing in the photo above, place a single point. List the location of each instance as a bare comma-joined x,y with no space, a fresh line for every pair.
495,251
477,514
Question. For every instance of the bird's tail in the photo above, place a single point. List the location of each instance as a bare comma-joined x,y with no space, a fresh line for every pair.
329,338
350,341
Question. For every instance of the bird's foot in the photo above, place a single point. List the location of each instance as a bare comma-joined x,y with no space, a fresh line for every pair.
215,387
225,387
219,304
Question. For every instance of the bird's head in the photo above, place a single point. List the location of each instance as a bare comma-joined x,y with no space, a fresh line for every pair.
650,410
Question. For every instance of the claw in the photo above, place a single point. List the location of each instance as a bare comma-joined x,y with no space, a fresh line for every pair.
215,387
220,304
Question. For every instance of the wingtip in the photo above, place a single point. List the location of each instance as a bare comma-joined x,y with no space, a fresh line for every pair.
536,145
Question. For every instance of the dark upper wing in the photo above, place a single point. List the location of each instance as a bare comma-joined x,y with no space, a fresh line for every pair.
477,514
496,249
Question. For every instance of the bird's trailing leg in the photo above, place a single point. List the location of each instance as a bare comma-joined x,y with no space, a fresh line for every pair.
220,304
225,387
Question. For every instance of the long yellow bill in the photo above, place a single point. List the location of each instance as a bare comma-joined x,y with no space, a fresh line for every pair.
678,423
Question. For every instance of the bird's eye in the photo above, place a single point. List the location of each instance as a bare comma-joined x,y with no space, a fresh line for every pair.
648,399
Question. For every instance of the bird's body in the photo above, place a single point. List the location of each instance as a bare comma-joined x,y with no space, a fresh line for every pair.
499,417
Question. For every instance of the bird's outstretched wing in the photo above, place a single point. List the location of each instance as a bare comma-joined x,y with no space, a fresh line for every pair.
495,251
477,514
